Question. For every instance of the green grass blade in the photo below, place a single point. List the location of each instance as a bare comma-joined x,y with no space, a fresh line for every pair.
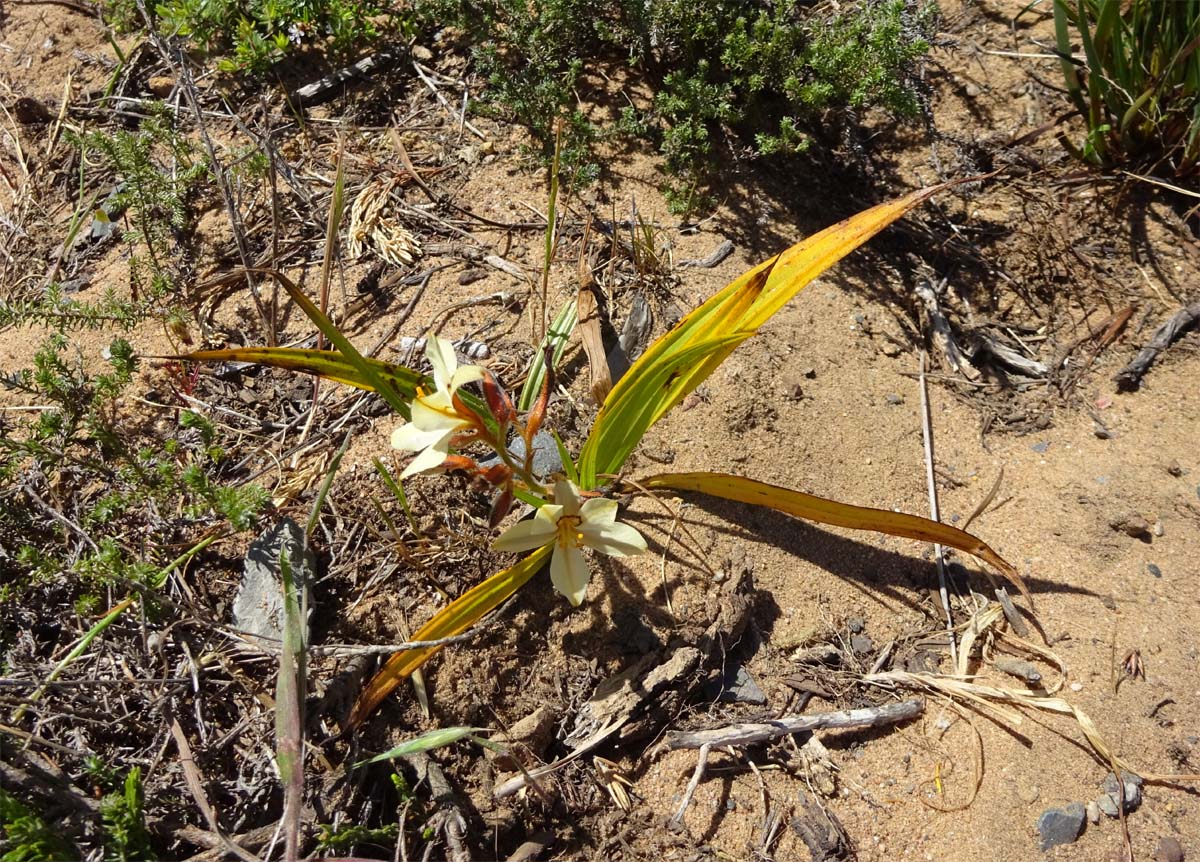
429,741
556,339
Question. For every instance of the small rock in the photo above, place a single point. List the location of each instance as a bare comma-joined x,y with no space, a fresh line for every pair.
893,399
1176,470
1061,825
1028,793
1154,570
1132,781
972,90
890,349
856,625
1093,812
1040,448
862,644
472,275
1102,432
1132,525
545,454
1108,805
1169,850
420,52
258,606
161,85
1159,530
811,374
736,686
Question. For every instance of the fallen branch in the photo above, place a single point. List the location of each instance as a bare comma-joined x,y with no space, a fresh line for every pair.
749,734
1130,377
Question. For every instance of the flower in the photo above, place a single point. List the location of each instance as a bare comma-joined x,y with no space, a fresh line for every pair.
435,420
571,526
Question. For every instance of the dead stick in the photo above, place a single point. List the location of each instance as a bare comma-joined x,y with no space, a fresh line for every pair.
697,775
750,734
1131,375
934,510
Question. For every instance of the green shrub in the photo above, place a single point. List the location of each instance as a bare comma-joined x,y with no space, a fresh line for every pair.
26,837
1138,85
765,71
257,33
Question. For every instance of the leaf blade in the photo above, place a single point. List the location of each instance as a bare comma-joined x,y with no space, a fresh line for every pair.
825,511
451,620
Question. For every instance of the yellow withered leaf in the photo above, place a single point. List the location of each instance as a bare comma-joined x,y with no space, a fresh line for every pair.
454,619
825,511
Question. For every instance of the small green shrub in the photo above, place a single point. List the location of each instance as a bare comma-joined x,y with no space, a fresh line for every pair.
26,837
123,818
1138,85
254,34
765,71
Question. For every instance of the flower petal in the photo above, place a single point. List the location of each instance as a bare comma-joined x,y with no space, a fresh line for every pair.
431,457
567,496
617,540
569,573
465,374
413,439
434,413
529,534
598,510
440,353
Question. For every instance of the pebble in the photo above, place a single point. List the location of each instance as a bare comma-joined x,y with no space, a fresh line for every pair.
856,625
972,90
1028,793
1093,812
1132,525
893,399
1175,469
736,686
1061,825
1040,448
1169,850
1133,794
862,644
1154,570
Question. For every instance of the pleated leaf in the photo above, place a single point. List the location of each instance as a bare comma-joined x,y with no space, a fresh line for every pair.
718,326
324,363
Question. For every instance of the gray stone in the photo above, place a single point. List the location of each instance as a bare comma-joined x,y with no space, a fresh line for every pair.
736,686
258,605
1169,850
545,454
1093,812
1133,794
862,644
1061,825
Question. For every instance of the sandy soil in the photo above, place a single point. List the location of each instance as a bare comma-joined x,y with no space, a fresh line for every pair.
825,400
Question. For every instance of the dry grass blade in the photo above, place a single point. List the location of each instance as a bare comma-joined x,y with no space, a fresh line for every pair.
988,699
289,696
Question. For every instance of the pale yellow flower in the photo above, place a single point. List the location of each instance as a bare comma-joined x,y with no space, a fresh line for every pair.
571,526
435,421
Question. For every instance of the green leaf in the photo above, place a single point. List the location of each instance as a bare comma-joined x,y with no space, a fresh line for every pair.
711,332
425,742
455,618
